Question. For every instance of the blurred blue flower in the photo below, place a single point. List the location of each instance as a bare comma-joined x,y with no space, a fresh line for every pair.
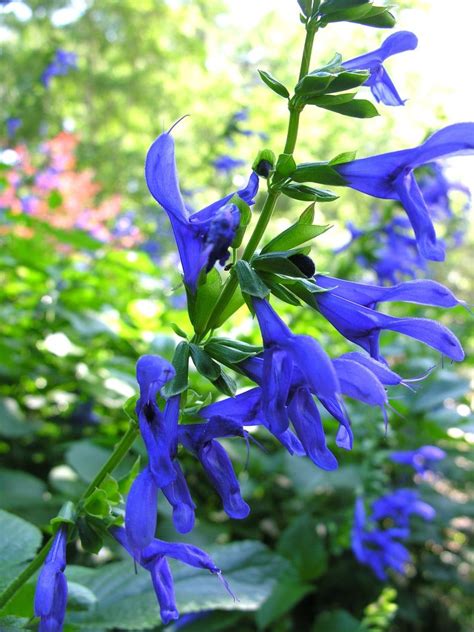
400,505
379,549
13,124
62,63
421,459
203,237
51,587
351,308
379,80
390,176
153,559
226,164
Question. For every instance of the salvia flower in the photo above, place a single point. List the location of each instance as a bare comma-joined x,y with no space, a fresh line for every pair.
421,459
390,176
51,588
226,164
400,505
377,548
153,559
379,80
285,355
203,237
159,430
351,308
63,62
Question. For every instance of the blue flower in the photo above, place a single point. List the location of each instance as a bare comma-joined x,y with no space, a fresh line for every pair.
13,124
400,505
63,62
227,164
379,549
203,237
153,559
200,440
160,435
390,176
51,587
285,355
420,460
379,81
351,308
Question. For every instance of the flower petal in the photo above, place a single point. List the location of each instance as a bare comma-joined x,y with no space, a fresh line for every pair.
178,495
141,510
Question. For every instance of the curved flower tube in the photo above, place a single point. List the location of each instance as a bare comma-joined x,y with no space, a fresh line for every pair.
51,587
203,237
390,176
379,80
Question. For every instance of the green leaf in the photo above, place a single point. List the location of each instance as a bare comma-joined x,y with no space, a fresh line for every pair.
226,384
277,263
129,408
330,6
280,291
332,99
320,172
12,421
304,548
12,624
337,621
232,306
126,599
86,459
67,514
332,65
348,14
55,199
229,351
96,504
308,194
125,483
345,156
307,216
274,84
249,281
348,79
91,538
111,488
314,84
305,6
244,221
358,108
382,20
181,364
20,490
79,597
202,305
294,236
285,164
286,594
18,545
204,363
178,331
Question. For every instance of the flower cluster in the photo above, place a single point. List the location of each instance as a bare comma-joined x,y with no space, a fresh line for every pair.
58,193
381,548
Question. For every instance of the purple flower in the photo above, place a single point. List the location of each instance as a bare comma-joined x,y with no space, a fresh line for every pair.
62,63
421,459
351,308
203,237
153,559
51,587
379,81
400,505
227,164
159,430
377,548
390,176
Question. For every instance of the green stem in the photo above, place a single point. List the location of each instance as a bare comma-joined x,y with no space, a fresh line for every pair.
117,455
272,195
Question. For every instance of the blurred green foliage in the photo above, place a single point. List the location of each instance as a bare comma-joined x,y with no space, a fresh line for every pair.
75,316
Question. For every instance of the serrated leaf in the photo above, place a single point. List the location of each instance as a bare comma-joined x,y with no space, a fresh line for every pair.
249,281
308,194
181,364
274,84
